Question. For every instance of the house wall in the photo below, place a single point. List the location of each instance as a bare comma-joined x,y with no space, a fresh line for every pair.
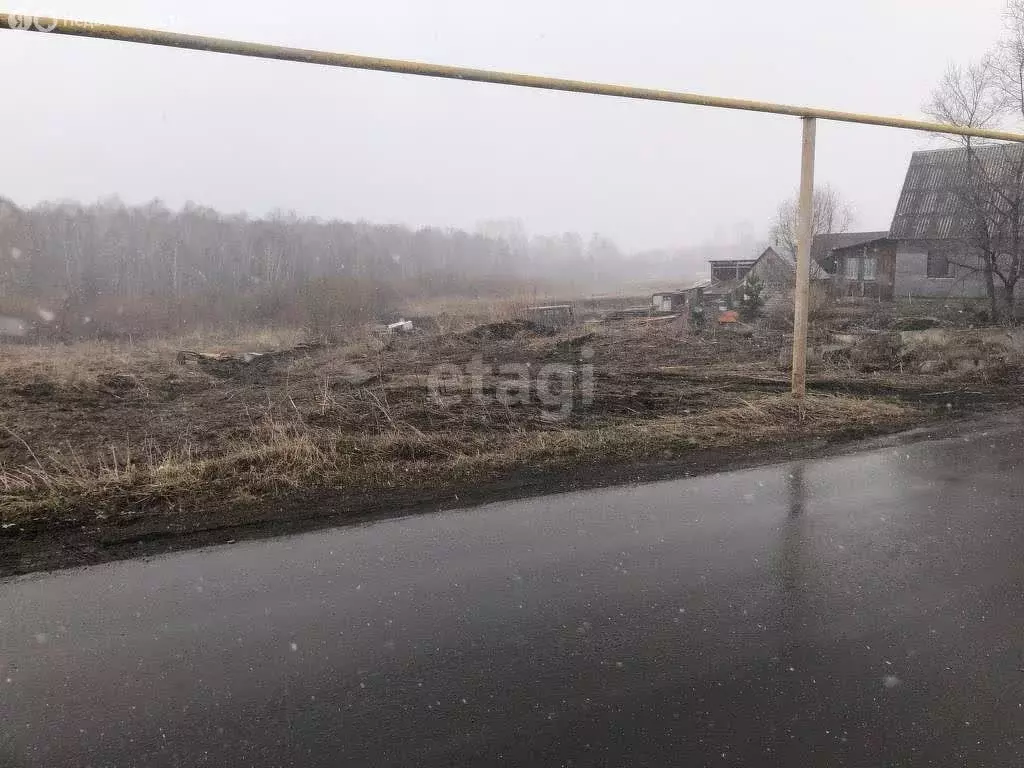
911,272
771,271
778,280
882,288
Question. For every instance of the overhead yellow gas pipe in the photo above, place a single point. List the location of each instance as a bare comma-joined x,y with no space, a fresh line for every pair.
76,28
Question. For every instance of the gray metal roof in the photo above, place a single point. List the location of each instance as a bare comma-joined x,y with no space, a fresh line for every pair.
789,260
823,245
731,262
723,287
703,283
936,201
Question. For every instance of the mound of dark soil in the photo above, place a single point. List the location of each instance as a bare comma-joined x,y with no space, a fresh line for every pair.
38,388
507,330
117,383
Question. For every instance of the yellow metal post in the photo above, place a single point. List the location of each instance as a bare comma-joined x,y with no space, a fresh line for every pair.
804,234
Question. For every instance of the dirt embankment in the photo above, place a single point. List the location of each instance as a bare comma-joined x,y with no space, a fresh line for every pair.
111,451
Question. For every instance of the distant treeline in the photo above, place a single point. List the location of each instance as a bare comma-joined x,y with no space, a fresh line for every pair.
111,269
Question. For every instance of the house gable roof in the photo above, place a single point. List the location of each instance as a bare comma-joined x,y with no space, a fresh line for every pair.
788,261
935,196
781,254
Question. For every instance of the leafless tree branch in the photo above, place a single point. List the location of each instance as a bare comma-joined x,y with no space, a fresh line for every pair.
831,213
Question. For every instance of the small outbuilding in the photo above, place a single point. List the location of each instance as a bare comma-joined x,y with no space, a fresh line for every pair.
672,302
668,301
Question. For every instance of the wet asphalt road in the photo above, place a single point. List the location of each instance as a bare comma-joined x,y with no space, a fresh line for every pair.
866,610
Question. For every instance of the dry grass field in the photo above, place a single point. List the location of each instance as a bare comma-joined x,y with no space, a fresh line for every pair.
119,439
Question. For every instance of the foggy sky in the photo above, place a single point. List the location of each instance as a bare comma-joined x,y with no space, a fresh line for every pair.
86,118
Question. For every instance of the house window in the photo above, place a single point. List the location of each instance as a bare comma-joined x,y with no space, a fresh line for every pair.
852,269
869,268
939,266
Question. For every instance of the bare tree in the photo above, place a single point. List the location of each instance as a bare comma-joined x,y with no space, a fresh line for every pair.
990,197
968,96
831,213
1007,61
109,268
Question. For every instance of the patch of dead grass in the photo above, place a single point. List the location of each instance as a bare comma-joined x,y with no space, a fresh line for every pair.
291,455
81,364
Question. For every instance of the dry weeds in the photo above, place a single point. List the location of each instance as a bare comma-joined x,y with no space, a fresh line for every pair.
281,455
106,431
